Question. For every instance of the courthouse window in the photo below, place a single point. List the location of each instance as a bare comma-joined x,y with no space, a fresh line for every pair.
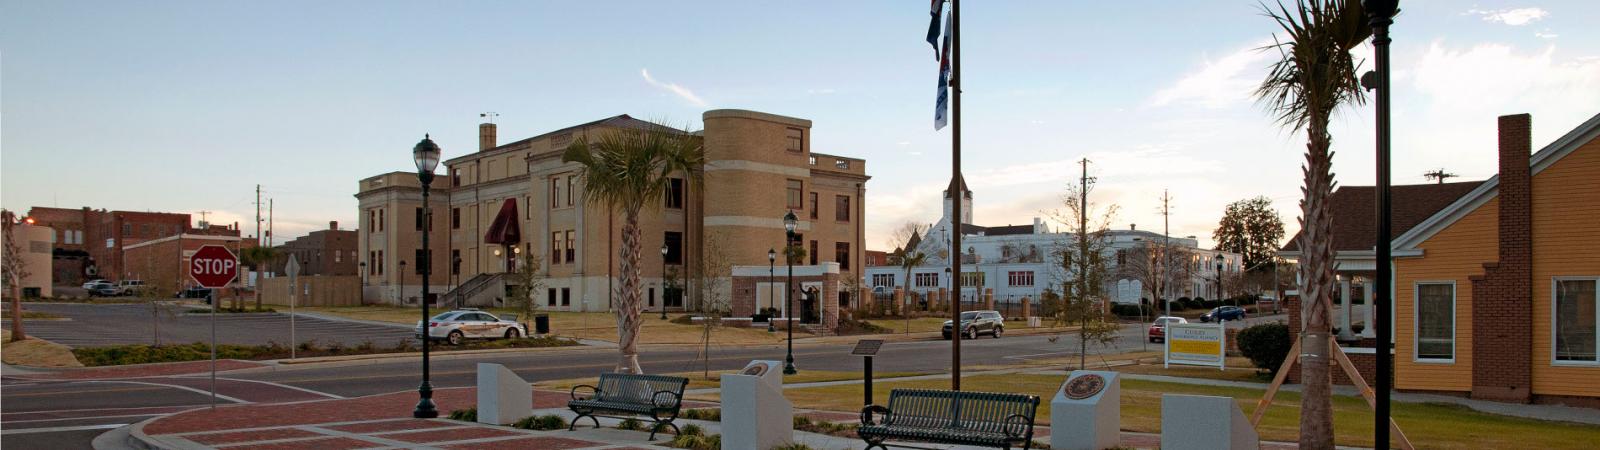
796,139
1575,302
796,188
1436,321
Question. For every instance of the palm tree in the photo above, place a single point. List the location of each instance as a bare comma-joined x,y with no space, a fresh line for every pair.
910,260
1314,76
628,170
255,257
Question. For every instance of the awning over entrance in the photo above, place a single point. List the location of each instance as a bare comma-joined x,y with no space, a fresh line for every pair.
504,229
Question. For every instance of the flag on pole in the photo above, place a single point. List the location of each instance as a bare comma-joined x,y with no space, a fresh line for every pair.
942,104
933,26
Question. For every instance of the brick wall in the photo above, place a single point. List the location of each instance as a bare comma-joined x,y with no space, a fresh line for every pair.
743,303
1502,303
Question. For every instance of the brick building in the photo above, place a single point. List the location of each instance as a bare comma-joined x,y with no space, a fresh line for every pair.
90,242
323,252
33,242
163,263
505,200
1495,294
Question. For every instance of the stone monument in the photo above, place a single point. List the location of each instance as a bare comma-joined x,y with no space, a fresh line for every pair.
754,412
1086,413
503,397
1204,422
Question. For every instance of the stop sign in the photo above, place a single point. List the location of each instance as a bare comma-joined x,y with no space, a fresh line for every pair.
213,266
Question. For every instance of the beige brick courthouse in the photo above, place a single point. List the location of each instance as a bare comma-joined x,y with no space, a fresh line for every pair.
507,199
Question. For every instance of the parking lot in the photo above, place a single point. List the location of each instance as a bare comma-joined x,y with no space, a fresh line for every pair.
94,325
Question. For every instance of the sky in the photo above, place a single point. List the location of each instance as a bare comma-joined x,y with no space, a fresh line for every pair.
186,106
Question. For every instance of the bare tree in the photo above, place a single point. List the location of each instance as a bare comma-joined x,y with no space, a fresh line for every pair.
14,271
905,239
1082,266
528,278
716,292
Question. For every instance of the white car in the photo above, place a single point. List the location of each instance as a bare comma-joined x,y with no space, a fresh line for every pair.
457,326
91,284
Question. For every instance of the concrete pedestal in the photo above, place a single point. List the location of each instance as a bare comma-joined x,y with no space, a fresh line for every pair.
1201,422
1086,413
503,397
755,415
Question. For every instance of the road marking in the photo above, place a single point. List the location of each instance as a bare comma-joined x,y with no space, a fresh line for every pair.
61,429
119,416
269,383
186,388
102,409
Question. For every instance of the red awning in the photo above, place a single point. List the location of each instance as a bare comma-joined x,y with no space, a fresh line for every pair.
504,230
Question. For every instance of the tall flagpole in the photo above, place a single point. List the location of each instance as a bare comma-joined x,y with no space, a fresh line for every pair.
956,195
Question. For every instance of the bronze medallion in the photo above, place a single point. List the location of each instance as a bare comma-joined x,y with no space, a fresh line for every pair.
756,370
1084,386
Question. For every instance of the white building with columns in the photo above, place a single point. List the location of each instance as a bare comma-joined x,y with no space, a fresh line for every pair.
1021,261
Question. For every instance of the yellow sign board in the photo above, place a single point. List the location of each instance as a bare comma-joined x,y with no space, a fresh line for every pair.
1196,344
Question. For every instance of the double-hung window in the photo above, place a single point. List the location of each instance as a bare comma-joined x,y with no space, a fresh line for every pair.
1573,317
1436,322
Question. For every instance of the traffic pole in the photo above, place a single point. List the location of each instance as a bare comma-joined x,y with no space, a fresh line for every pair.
211,295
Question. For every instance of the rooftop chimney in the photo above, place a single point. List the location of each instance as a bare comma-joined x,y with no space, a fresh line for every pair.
486,136
333,225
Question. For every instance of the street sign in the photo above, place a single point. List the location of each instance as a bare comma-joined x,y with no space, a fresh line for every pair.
292,268
867,347
213,266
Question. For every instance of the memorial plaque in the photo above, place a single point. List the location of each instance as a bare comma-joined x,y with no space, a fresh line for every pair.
867,347
1084,386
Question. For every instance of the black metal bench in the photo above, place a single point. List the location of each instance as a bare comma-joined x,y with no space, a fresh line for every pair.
625,395
951,417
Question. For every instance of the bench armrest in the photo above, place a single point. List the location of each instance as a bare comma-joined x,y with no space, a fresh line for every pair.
867,414
1016,425
671,401
593,392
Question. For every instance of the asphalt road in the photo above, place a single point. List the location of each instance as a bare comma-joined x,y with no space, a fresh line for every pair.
69,414
95,325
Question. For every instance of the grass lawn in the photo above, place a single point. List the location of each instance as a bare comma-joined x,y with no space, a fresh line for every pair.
697,380
37,353
1428,425
1239,369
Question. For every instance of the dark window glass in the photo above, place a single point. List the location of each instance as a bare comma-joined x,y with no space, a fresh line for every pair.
674,243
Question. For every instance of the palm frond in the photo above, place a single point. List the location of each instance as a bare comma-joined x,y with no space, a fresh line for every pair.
1315,72
628,169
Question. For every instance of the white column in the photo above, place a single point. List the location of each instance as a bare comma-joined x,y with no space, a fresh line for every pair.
1366,291
1344,308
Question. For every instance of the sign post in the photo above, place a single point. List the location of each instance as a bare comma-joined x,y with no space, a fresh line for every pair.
213,267
867,348
1196,345
293,269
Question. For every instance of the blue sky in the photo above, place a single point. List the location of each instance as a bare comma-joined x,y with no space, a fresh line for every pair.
186,106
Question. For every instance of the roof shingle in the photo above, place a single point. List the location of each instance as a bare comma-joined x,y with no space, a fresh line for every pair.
1355,224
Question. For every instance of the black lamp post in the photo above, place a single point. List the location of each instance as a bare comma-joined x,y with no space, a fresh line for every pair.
363,266
789,222
664,286
1219,277
1380,14
772,258
426,155
402,293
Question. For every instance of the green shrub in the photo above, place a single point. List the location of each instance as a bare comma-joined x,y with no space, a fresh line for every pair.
793,446
707,414
1267,345
697,442
544,422
465,415
630,424
692,430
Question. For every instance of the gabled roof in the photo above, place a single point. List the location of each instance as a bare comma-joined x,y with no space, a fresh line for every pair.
1588,131
1354,224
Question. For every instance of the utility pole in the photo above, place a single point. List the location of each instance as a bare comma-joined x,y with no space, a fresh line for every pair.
203,218
269,222
1166,245
1083,262
258,215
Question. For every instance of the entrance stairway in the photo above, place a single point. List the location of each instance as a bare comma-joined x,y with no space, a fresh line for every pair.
468,293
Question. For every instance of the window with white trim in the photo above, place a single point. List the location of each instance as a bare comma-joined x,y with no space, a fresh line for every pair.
883,279
929,279
1576,300
1436,321
1020,278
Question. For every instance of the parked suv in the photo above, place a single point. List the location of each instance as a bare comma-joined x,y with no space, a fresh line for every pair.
457,326
130,287
974,323
1223,313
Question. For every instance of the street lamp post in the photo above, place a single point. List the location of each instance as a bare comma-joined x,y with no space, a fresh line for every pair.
664,282
402,291
1380,14
772,258
789,222
426,155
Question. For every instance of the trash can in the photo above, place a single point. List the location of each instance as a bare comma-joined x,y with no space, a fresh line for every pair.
541,323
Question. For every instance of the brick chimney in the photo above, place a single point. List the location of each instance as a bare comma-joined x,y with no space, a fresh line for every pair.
333,225
1502,311
486,136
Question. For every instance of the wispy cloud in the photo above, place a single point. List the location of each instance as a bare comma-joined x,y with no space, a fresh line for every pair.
674,88
1513,17
1546,34
1220,83
822,91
